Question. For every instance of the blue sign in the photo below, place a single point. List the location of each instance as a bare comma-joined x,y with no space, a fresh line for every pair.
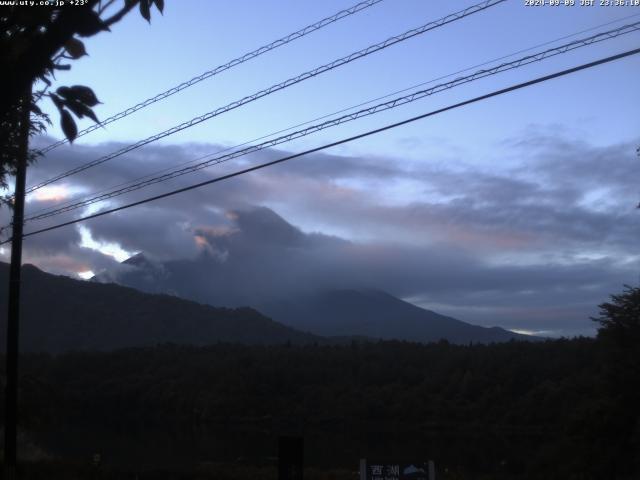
372,470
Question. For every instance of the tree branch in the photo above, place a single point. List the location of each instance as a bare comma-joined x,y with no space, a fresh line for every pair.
129,4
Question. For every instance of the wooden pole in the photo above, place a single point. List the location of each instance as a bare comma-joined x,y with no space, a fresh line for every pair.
13,320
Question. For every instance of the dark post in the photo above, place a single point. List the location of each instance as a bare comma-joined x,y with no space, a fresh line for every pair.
13,320
290,458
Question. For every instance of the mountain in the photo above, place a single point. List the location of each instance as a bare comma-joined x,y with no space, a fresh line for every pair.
61,314
377,314
328,312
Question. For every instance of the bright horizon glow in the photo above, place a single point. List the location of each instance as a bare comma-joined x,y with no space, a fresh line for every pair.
86,275
534,333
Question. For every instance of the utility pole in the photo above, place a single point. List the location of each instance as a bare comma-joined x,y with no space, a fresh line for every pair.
13,320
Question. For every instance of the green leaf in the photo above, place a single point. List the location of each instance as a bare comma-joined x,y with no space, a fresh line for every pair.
68,125
159,5
75,48
144,10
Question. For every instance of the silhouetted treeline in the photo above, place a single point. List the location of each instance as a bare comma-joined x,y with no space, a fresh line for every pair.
528,410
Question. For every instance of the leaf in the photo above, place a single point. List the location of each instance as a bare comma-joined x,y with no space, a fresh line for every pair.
85,95
79,93
81,110
62,67
57,101
64,92
159,5
90,23
144,10
90,113
35,109
75,48
68,125
76,107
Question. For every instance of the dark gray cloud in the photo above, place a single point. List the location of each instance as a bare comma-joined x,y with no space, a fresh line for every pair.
261,256
534,242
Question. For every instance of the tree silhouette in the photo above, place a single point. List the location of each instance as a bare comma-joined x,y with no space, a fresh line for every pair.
619,338
36,41
619,335
620,319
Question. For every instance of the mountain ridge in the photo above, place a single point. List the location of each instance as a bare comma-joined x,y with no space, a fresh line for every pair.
339,312
378,314
61,314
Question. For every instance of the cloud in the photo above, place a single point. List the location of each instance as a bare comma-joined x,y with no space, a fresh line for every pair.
261,256
532,238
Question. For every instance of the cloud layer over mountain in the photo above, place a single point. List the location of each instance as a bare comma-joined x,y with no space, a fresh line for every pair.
532,238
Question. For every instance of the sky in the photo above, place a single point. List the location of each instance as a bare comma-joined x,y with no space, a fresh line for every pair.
518,211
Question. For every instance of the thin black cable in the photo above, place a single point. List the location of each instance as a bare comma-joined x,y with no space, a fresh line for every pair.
340,142
248,142
277,87
221,68
151,180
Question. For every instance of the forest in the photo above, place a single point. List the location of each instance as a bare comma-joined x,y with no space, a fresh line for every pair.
530,410
563,408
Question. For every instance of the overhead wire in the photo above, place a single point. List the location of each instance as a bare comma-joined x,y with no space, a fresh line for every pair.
495,93
277,87
536,57
221,68
262,137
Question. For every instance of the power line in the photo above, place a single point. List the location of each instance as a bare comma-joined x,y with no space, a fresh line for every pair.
292,81
361,104
221,68
340,142
280,86
537,57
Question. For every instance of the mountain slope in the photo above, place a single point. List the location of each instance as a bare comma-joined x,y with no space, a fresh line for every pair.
339,312
377,314
60,314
